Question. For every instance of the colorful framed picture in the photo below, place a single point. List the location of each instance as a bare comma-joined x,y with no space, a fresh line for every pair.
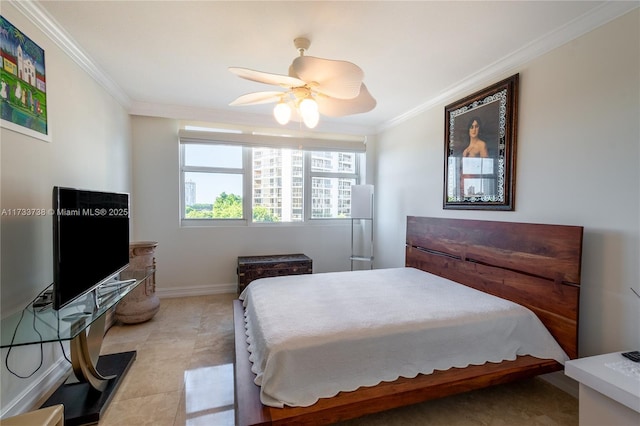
23,91
480,149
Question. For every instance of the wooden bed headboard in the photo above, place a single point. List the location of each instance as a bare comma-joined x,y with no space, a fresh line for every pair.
534,265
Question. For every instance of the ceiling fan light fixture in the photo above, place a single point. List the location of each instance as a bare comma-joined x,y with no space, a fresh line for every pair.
309,111
282,112
313,86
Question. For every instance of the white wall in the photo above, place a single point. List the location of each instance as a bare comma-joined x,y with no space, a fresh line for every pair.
578,163
203,259
91,148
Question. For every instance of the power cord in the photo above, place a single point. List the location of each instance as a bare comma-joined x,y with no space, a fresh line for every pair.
15,332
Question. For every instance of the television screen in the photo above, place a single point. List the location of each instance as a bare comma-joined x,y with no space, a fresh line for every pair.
90,240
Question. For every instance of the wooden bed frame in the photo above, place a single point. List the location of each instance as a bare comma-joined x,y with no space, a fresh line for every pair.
535,265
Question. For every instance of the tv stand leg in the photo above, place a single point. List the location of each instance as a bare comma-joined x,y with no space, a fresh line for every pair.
85,351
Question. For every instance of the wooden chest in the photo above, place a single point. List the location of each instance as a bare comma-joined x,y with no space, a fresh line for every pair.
253,267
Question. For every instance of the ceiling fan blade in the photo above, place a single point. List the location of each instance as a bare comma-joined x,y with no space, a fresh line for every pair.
337,79
267,78
334,107
257,98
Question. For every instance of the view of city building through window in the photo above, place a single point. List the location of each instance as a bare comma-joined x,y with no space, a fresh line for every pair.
331,193
214,183
278,185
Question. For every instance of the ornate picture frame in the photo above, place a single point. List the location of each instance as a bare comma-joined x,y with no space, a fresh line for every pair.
480,149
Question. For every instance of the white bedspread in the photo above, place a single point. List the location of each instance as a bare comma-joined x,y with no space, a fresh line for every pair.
312,336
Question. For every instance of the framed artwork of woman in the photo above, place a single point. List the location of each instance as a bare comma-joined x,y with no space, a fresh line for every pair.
480,147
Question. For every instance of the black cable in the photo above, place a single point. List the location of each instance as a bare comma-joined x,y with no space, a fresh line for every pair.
6,359
60,340
15,332
64,354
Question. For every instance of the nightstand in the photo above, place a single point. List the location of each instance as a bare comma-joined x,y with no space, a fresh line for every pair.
609,389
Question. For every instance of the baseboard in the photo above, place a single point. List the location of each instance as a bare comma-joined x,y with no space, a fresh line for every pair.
562,382
37,392
168,293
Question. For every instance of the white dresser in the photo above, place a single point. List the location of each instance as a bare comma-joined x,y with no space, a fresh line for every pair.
609,389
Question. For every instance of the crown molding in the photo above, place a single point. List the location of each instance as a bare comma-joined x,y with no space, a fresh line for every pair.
52,29
579,26
592,19
212,115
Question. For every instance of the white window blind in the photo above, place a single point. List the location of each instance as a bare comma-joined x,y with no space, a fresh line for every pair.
306,143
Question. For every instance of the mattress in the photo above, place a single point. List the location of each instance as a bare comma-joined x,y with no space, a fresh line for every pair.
313,336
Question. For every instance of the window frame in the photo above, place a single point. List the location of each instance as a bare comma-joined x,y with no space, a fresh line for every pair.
247,197
308,182
246,186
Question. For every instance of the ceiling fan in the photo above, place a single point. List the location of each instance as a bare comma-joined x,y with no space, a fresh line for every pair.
313,86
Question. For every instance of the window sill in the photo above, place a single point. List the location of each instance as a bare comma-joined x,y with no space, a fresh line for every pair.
228,223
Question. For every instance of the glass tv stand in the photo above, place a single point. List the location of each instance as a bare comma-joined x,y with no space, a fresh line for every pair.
82,323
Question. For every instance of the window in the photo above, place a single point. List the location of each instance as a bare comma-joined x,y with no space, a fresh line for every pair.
277,194
228,183
332,174
213,177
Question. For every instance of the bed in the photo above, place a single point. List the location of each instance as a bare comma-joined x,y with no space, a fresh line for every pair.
534,265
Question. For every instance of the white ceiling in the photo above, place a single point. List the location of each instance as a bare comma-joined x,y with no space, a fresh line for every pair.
170,58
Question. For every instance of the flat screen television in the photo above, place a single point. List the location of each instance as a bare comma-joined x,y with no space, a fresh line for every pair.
90,240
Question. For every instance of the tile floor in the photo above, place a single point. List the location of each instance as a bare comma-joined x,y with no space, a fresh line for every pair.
183,376
183,372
